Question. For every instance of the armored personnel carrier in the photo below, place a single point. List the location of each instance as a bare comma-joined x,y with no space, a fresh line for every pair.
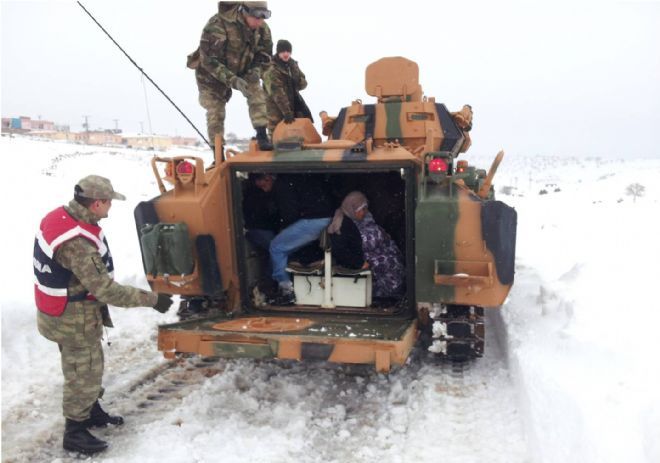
457,241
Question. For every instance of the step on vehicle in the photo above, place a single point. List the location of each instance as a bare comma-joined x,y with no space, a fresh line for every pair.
457,241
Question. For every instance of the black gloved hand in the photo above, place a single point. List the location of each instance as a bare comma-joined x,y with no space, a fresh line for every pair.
289,119
164,302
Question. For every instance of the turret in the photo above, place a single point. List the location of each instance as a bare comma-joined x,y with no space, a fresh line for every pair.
402,115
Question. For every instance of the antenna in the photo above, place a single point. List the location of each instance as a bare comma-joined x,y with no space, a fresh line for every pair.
145,74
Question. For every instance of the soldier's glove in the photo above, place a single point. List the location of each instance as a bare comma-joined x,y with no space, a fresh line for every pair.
239,84
289,119
164,302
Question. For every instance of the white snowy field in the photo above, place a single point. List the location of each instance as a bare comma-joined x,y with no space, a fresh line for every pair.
570,374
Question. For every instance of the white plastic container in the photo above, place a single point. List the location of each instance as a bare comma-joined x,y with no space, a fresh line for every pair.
347,290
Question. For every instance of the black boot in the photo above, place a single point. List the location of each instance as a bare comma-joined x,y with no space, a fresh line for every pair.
100,418
78,439
262,139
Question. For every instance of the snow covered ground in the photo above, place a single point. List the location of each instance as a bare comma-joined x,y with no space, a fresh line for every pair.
570,375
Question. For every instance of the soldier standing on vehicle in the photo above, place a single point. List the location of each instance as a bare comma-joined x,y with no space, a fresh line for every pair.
236,43
283,81
74,283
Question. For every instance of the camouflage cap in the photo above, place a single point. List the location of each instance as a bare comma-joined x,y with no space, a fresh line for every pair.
257,9
97,187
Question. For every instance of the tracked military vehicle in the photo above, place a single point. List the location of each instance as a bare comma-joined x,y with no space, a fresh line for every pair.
401,151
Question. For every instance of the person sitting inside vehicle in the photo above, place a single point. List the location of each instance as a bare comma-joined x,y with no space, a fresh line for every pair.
305,208
360,242
260,214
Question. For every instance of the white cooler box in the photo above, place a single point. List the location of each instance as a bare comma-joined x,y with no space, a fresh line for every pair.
347,290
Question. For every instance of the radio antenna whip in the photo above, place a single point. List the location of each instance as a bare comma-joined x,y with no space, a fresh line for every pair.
145,75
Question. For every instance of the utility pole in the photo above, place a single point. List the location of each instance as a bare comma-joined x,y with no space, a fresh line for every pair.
86,126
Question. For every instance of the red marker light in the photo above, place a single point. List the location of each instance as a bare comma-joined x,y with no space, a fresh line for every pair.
461,166
438,165
185,167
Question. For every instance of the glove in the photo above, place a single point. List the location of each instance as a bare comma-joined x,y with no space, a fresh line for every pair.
164,302
239,84
289,119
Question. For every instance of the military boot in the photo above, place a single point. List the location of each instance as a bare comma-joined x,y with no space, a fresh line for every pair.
262,139
78,439
100,418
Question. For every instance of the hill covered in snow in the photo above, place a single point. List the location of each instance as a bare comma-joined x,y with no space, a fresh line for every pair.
570,374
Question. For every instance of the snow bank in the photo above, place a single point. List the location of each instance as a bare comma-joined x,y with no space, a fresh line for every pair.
582,317
578,330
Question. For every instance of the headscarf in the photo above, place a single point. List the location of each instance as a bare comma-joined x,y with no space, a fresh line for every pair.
352,204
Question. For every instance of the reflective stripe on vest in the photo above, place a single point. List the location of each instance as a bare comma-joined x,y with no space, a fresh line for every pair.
52,279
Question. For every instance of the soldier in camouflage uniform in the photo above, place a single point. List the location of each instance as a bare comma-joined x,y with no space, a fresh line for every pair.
74,283
283,81
236,43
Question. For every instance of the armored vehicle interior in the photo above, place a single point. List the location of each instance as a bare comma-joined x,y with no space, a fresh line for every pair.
390,192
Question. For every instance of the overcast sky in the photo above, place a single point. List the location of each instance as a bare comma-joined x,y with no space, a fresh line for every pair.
571,78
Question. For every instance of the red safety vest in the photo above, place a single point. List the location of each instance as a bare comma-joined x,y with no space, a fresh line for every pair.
52,279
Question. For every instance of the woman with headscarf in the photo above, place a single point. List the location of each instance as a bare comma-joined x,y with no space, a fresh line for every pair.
361,243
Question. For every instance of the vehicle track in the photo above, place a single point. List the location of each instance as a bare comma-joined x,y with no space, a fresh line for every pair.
148,397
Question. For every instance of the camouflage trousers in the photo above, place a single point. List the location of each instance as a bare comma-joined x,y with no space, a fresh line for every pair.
214,99
274,114
78,333
83,373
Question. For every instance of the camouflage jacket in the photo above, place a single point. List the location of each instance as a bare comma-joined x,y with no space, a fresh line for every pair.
229,48
82,322
282,82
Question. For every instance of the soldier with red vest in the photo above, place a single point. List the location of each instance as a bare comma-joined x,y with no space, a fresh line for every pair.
73,286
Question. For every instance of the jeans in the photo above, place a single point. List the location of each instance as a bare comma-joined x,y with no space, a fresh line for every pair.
292,238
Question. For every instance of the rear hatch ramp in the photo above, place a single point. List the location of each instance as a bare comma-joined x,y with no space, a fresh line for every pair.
380,341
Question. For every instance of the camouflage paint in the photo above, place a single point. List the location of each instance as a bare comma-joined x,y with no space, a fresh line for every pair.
371,340
452,234
393,126
435,224
299,156
448,228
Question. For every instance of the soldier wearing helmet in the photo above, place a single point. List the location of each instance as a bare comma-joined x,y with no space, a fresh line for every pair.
74,284
235,44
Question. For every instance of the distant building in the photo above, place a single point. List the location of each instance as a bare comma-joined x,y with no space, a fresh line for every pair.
185,141
49,130
25,124
100,137
149,142
16,124
41,125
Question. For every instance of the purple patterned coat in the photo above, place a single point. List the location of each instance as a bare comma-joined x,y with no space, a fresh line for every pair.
384,257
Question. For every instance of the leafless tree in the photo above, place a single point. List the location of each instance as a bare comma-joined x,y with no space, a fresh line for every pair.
635,190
